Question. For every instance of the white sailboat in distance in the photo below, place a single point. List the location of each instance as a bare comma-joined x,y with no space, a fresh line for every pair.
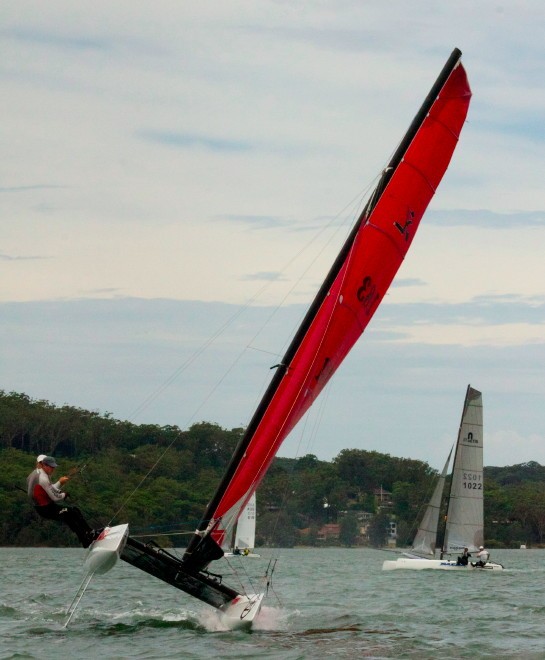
244,542
465,511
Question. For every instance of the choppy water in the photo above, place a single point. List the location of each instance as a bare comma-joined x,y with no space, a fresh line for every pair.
334,603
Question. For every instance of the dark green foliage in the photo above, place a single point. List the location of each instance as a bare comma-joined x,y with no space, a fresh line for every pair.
159,479
276,530
349,530
378,530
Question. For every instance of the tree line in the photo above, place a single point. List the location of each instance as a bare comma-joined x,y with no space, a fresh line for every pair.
159,479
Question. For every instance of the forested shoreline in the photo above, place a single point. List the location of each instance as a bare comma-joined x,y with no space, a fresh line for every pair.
159,479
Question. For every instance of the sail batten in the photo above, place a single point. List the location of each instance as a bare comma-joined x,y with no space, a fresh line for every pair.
345,303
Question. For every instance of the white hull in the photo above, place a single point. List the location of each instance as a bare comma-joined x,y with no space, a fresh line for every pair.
241,554
436,564
241,611
103,554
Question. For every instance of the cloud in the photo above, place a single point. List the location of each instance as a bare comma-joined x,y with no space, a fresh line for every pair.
8,257
17,189
176,134
101,292
407,282
256,221
57,39
489,219
403,399
188,141
270,276
487,310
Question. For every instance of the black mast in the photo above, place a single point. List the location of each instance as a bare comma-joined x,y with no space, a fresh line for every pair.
202,549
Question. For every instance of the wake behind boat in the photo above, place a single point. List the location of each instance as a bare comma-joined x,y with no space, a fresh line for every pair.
347,300
465,511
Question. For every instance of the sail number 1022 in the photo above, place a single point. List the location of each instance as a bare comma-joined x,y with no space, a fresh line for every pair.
472,481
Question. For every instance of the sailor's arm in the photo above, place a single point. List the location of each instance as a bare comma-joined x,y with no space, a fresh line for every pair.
53,491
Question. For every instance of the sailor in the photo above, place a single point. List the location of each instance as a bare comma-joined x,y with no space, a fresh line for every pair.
463,559
483,556
33,477
47,498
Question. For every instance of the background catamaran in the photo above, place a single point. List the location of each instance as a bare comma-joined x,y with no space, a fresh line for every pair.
465,510
244,537
344,305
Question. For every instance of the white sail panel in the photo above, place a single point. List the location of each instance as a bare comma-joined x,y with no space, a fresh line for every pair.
425,540
245,534
465,524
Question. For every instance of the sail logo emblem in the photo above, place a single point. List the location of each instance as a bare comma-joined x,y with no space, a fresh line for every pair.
367,294
404,228
471,440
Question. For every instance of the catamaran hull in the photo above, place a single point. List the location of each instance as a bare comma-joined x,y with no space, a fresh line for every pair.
406,563
242,610
236,610
103,554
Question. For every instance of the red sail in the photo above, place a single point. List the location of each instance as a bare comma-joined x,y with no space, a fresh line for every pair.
350,296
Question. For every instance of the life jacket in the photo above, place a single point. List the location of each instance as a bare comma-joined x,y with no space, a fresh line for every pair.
40,497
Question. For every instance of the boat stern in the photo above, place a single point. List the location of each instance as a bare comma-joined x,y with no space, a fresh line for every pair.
242,610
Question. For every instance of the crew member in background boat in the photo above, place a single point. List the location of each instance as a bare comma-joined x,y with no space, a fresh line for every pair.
47,497
463,559
483,556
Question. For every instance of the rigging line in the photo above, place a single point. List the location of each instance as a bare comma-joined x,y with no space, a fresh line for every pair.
262,350
235,574
310,366
207,343
318,418
161,388
349,257
267,578
245,571
152,397
145,536
267,321
289,485
348,218
178,435
231,525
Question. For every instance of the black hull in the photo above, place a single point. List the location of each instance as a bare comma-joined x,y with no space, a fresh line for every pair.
166,567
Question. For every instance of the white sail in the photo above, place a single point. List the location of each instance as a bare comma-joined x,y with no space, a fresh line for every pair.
465,512
425,540
245,533
465,519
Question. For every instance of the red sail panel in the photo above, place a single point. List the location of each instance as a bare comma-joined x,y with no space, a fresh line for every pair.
376,254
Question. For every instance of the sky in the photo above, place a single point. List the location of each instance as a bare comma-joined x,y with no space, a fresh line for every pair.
177,178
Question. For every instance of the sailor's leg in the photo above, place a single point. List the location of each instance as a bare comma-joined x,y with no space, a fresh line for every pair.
73,518
49,511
